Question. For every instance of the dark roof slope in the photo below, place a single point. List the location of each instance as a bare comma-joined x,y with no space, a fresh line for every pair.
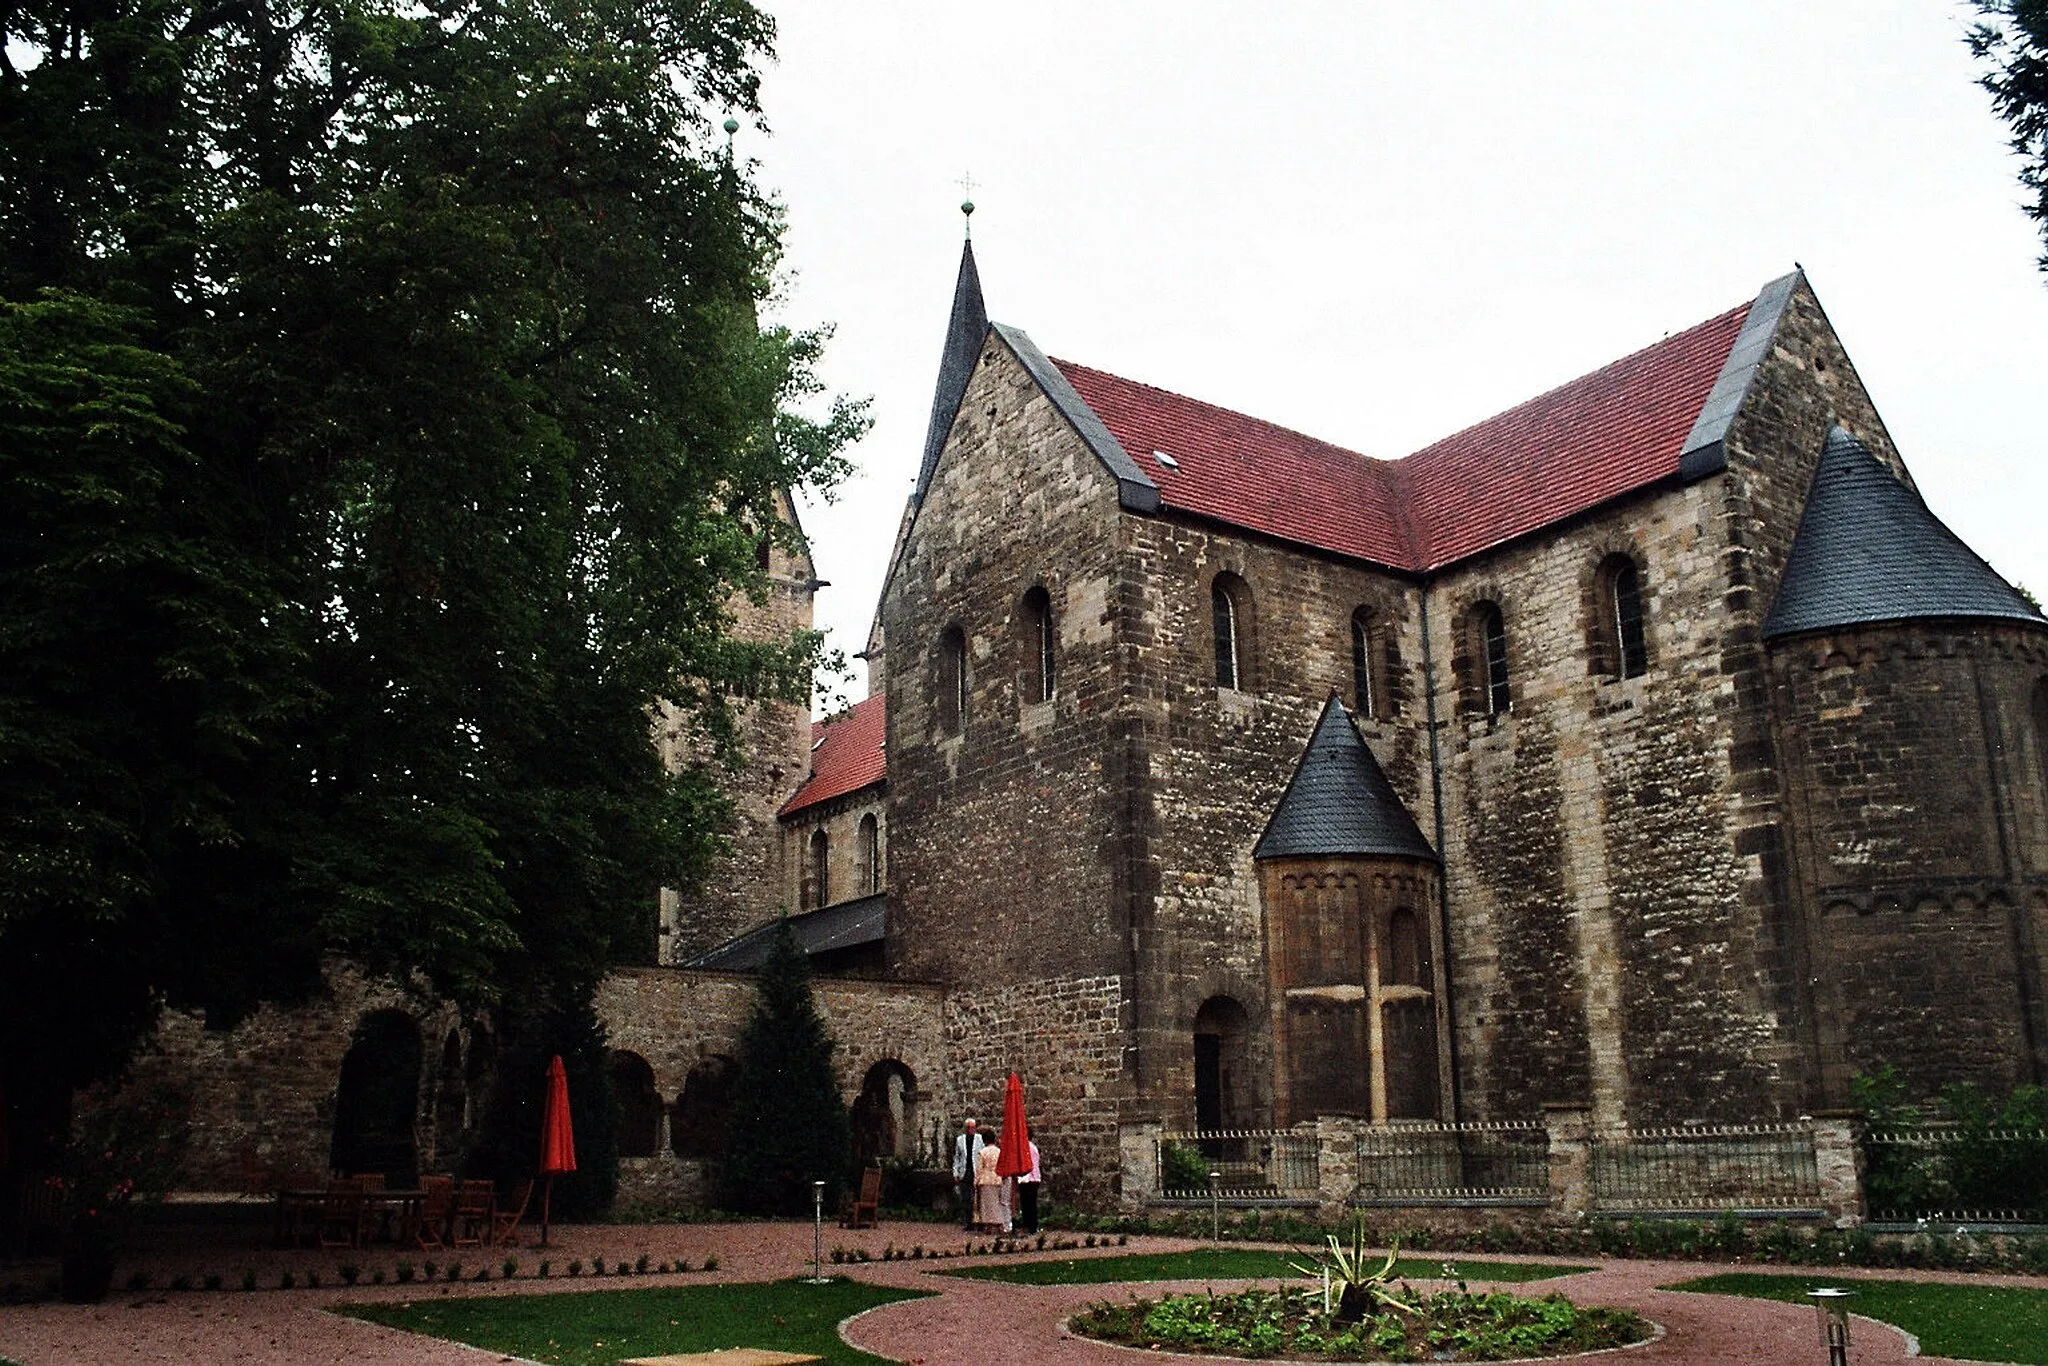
1340,802
845,926
1869,550
965,331
847,754
1618,429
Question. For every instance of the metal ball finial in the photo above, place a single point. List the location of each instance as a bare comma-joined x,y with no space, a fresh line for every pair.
967,207
732,125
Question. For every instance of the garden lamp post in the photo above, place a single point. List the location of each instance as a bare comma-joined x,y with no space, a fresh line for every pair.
818,1233
1215,1207
1832,1307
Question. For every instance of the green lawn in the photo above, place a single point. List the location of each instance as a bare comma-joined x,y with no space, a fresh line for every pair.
1974,1322
1232,1264
602,1327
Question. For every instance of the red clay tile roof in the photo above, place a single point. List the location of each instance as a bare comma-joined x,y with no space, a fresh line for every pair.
1571,449
846,755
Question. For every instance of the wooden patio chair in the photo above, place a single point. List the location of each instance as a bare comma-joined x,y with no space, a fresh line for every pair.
864,1210
505,1220
470,1221
341,1216
436,1206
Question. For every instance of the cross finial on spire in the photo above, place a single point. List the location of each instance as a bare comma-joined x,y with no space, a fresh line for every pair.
967,201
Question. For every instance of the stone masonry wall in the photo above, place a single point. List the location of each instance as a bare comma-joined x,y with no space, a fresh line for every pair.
1805,384
840,819
676,1020
1599,949
1007,857
1209,763
1064,1037
1921,853
267,1087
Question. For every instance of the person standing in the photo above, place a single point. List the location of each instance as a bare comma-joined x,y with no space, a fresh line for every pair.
966,1149
1027,1191
988,1191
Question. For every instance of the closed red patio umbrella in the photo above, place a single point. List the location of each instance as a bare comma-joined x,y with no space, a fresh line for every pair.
557,1138
1015,1158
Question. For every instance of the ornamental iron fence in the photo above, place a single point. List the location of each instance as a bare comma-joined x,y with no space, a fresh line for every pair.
1250,1164
1949,1173
1706,1168
1453,1164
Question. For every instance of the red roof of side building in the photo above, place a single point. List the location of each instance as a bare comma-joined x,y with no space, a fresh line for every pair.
847,754
1559,454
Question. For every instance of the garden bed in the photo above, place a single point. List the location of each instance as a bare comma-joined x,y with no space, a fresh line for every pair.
1451,1325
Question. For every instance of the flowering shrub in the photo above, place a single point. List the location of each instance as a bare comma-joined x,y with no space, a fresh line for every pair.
127,1148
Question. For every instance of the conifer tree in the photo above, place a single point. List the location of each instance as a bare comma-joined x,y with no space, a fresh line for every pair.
789,1125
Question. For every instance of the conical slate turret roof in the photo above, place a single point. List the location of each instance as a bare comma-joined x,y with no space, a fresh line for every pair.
1340,802
965,332
1869,550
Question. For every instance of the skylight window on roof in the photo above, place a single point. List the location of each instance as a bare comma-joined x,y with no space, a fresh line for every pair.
1163,458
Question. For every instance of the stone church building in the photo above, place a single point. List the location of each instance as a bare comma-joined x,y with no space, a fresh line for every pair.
1650,745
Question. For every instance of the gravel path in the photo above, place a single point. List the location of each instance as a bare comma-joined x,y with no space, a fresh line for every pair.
983,1322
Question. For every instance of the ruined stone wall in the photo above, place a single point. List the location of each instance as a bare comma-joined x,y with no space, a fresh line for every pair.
1920,822
840,819
1007,832
744,885
1064,1037
266,1088
1599,950
1211,762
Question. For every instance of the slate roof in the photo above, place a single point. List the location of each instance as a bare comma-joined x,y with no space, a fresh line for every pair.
1340,802
965,331
847,754
1869,550
1618,429
845,926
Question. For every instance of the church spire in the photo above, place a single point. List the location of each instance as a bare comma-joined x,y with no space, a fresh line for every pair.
964,335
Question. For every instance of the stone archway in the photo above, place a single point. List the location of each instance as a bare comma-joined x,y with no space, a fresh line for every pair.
697,1124
639,1103
376,1102
885,1113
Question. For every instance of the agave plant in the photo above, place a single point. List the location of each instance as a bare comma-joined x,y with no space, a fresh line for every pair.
1361,1286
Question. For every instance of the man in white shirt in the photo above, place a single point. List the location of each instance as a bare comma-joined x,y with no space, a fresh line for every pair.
966,1148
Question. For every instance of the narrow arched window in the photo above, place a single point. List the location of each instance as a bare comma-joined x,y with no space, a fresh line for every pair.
1036,644
1230,614
1625,619
817,889
2039,709
952,681
868,848
1365,698
1492,641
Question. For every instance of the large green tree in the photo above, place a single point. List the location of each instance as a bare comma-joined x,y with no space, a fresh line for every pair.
397,427
788,1126
2012,38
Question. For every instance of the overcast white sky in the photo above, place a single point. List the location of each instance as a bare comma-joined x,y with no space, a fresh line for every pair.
1379,223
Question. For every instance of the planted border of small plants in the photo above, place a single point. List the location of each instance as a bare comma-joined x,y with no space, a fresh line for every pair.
1451,1325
